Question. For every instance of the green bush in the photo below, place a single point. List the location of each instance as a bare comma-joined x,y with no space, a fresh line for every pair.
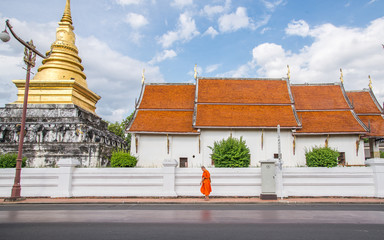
321,157
123,159
8,160
381,154
230,153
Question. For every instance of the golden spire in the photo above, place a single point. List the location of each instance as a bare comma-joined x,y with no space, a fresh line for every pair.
341,76
60,80
195,69
67,13
288,73
370,82
142,76
64,62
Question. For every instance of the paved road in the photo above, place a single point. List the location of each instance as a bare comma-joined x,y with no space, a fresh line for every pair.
169,221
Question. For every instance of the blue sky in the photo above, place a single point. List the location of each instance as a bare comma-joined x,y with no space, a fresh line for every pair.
225,38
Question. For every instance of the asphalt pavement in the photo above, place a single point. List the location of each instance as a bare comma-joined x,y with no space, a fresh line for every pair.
192,221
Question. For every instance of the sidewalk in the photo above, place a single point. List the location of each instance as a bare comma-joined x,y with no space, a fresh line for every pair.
194,200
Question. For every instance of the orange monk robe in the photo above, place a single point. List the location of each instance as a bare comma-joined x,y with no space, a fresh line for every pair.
206,185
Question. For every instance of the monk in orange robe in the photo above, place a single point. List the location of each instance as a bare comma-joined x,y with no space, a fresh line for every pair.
205,183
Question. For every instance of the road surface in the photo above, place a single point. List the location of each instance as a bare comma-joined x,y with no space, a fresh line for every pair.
194,221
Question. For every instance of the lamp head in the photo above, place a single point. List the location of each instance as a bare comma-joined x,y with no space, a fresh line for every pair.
4,36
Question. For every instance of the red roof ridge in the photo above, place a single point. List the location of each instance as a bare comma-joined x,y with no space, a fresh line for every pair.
316,84
170,84
229,78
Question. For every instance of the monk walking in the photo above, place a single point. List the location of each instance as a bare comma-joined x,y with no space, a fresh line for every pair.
205,183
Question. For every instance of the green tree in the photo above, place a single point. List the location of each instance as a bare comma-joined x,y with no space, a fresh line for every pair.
230,153
120,128
321,157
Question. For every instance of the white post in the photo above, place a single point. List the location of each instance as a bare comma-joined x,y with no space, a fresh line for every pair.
280,163
169,172
279,181
377,165
66,168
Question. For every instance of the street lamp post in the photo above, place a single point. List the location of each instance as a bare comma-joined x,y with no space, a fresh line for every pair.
29,59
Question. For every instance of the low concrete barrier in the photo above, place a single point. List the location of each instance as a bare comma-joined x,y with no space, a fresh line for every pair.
69,181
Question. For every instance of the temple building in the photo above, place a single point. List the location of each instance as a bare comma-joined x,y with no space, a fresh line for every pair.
61,121
181,121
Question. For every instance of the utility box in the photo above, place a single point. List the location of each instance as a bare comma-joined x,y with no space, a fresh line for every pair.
268,181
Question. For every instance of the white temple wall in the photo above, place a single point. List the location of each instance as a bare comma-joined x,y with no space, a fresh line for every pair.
153,149
186,146
346,143
254,142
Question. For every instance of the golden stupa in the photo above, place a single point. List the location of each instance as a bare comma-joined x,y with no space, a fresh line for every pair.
60,80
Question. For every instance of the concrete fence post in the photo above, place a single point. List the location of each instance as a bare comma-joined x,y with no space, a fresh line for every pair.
169,172
279,181
377,165
66,168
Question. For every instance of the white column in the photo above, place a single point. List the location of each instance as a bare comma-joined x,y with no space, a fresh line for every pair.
169,172
279,180
66,168
377,165
374,148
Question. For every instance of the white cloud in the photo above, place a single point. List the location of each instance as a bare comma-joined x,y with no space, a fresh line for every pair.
113,76
166,54
235,21
135,37
128,2
185,31
261,22
266,29
181,3
136,20
212,10
300,28
372,1
271,5
212,68
357,51
211,32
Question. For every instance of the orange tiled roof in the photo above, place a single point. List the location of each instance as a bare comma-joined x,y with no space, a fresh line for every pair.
243,91
319,97
363,102
329,122
376,123
168,97
163,121
244,116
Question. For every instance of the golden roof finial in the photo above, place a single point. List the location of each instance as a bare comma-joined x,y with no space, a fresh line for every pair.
195,69
67,13
370,82
142,76
288,73
341,76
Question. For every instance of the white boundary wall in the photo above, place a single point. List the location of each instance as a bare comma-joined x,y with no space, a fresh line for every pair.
153,149
170,181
